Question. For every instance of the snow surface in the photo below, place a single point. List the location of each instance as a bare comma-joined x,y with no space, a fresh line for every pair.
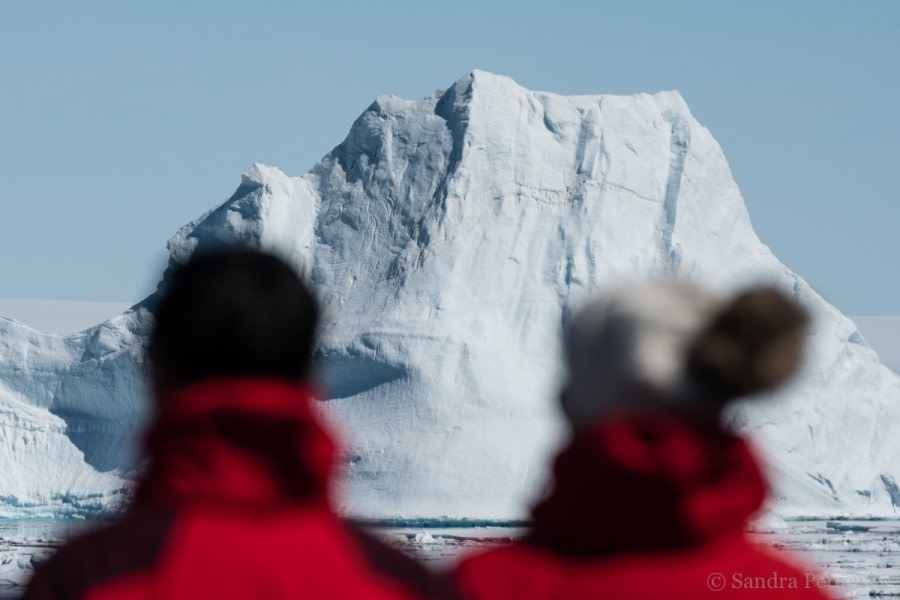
450,239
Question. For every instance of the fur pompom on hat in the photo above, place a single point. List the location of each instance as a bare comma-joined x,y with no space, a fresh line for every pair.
677,345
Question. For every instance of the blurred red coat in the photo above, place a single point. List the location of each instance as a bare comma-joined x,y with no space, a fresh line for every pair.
235,505
645,505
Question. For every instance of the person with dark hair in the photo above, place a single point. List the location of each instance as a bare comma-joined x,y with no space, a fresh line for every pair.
235,502
653,493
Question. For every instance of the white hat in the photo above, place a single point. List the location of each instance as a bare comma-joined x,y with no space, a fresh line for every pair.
677,345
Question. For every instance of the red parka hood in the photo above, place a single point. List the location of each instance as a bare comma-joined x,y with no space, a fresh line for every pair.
647,505
234,505
645,482
242,443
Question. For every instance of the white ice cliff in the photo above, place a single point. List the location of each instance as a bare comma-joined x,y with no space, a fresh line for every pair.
450,239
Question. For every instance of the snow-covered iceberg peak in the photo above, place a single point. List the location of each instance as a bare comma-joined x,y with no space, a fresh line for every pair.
450,238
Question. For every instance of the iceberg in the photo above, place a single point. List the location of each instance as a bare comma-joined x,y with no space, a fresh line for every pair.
450,239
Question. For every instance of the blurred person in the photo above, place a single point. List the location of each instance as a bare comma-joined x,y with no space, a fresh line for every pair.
653,493
236,500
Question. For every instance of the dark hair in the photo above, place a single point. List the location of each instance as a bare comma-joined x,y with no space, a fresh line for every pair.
236,312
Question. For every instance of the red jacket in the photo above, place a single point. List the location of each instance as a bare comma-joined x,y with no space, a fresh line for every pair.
235,505
644,506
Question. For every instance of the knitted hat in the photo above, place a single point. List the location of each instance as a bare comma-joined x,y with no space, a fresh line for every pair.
677,345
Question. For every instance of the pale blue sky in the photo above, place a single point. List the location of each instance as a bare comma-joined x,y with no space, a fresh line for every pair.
121,121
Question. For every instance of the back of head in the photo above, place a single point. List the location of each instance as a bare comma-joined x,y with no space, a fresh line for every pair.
679,346
232,313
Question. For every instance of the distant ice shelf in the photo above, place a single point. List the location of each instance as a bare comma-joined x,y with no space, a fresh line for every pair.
59,316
